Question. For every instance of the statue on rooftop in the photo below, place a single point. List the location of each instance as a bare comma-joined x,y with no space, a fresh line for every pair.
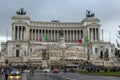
21,12
89,14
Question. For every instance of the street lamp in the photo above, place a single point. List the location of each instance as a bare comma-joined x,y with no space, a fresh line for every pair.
88,55
88,51
47,58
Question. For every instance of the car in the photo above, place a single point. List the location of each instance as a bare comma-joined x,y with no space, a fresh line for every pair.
46,70
14,77
55,70
15,74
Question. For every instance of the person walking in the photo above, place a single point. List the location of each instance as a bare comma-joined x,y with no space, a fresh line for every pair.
2,71
7,72
31,71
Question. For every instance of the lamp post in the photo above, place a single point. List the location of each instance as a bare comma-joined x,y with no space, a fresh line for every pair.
88,49
88,57
47,58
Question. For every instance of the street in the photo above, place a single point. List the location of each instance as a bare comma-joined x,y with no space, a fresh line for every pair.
63,76
68,76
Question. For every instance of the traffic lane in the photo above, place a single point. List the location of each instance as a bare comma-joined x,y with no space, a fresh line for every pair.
43,76
68,76
74,76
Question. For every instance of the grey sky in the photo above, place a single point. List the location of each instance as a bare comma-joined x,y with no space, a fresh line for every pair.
108,11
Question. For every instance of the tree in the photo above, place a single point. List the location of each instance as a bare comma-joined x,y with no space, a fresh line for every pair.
117,51
118,35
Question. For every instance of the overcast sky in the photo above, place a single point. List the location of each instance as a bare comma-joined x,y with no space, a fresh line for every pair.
108,11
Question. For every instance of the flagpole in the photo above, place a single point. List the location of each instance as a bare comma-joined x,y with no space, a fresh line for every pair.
102,34
7,35
48,51
110,37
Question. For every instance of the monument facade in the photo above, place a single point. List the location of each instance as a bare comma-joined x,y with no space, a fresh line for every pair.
42,43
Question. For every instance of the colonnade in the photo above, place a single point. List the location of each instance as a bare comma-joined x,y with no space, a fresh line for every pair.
94,34
19,32
53,35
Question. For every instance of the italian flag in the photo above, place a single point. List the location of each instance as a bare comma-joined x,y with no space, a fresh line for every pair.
83,40
43,38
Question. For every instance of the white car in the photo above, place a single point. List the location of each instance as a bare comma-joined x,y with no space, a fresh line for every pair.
46,70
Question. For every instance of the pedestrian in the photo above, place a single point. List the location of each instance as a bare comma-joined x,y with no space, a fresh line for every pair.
32,71
2,71
65,70
7,72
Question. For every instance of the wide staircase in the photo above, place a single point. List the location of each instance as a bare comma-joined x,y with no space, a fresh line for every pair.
95,60
112,62
116,61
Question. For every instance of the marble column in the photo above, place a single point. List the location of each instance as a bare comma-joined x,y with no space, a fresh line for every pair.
98,34
35,34
54,35
70,35
45,32
51,34
79,34
24,33
21,31
38,34
67,35
95,34
15,32
91,34
74,37
41,33
57,35
32,34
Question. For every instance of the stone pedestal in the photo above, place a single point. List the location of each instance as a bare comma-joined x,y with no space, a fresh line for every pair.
44,63
62,43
